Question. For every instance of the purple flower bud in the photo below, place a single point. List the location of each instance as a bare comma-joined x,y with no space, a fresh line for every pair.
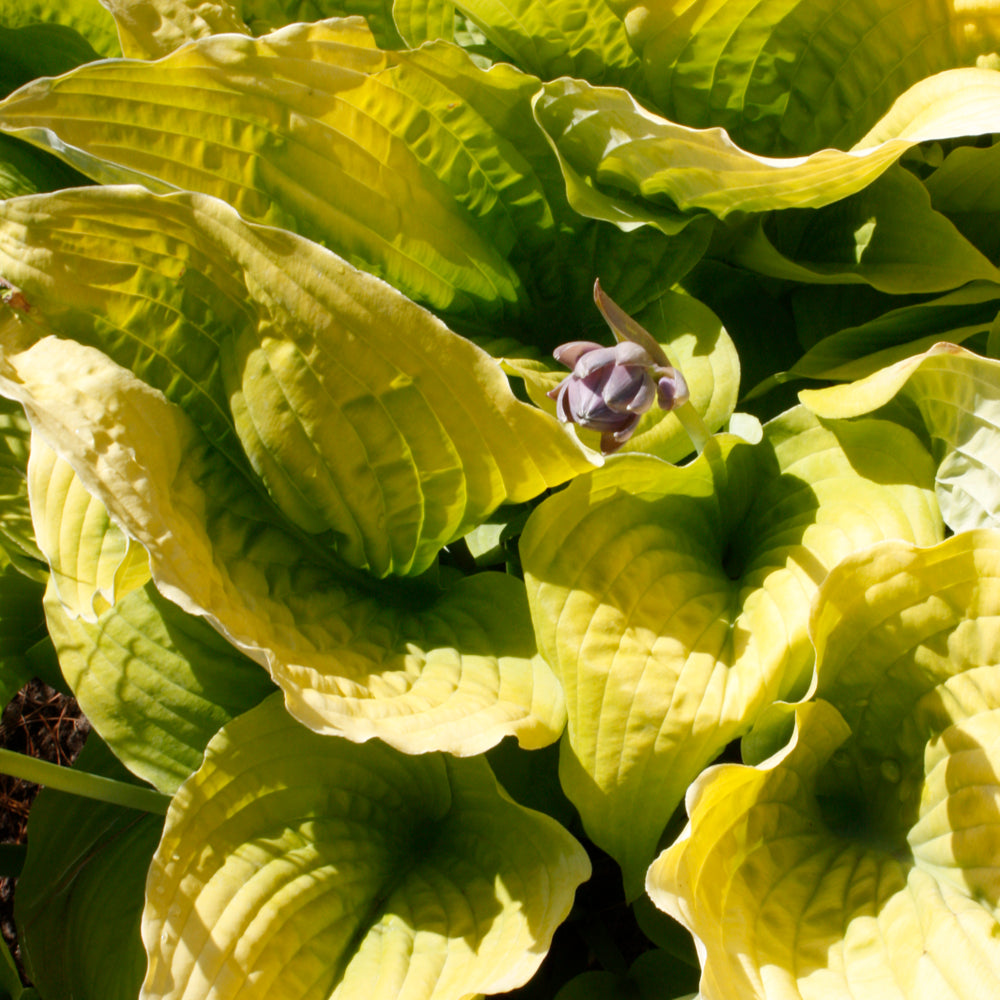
609,388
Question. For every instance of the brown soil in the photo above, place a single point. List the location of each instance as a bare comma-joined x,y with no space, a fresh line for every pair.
45,724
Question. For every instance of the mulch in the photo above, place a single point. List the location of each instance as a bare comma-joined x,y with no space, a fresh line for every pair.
42,723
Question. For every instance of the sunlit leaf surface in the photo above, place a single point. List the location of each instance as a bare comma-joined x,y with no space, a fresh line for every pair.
93,564
862,857
453,668
627,165
957,394
363,874
149,29
368,421
673,602
155,682
411,165
788,77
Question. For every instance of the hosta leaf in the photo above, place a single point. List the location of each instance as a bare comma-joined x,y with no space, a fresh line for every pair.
453,669
957,394
87,17
673,602
366,873
420,21
580,38
93,564
862,857
21,626
80,896
955,103
966,187
405,163
156,683
263,16
625,164
967,181
857,351
887,236
34,50
149,29
366,418
17,536
25,169
786,77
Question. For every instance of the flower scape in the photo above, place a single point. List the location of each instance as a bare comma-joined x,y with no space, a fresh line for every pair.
514,490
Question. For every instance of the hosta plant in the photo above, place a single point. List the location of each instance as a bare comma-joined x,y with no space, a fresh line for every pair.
514,489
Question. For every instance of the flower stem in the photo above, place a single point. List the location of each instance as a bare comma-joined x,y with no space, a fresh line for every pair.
91,786
691,422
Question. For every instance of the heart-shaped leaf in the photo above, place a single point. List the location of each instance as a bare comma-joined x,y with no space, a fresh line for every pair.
861,858
367,419
673,602
957,394
366,873
453,669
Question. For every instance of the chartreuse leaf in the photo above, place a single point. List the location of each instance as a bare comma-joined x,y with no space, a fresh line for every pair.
17,535
367,419
887,236
343,870
93,564
784,78
673,602
385,157
420,21
80,895
579,38
857,351
862,857
155,682
88,18
149,29
453,669
625,164
957,394
263,16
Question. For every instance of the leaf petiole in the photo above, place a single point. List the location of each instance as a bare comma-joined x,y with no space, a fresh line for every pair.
91,786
